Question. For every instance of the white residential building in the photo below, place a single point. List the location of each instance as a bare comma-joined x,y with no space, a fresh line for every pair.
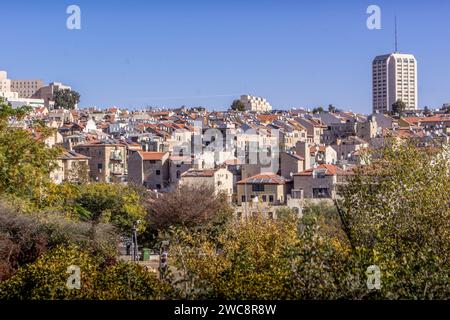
19,102
257,104
5,87
221,180
394,78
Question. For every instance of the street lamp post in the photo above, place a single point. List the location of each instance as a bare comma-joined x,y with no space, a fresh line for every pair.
134,240
163,259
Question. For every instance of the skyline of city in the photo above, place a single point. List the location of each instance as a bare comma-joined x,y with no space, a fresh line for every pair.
189,66
216,158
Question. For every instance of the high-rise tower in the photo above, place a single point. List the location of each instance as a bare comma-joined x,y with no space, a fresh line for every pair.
394,77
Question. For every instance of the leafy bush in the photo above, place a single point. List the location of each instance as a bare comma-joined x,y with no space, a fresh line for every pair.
396,213
24,237
48,277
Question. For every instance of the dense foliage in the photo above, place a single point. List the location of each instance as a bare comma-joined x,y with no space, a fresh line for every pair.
25,161
398,210
66,99
47,278
238,105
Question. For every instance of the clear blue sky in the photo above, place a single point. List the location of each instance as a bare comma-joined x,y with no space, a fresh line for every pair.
207,52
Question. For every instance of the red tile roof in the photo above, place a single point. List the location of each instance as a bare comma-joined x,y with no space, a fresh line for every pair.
199,173
264,178
233,162
152,155
330,170
72,155
314,149
266,117
415,120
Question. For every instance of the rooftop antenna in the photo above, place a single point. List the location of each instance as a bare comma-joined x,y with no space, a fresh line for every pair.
396,37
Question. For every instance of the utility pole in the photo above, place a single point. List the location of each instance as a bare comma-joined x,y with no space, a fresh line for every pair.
163,259
134,240
246,201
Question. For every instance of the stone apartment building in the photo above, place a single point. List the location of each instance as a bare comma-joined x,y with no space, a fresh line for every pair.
322,154
26,88
149,169
291,133
319,182
71,167
178,165
436,123
269,188
5,87
46,93
314,129
256,104
108,161
345,148
291,163
221,180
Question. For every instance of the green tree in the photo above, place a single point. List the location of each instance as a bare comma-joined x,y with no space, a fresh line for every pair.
447,109
25,159
398,108
318,110
194,207
238,105
79,173
47,278
248,261
26,236
66,99
262,259
117,204
396,215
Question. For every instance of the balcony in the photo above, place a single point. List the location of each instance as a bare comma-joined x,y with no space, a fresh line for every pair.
115,156
117,171
296,194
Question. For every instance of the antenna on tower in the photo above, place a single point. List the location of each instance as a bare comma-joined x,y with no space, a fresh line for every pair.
396,37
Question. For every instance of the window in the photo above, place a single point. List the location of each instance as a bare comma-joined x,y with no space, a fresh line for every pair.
158,172
264,198
321,193
271,198
318,174
100,166
178,174
152,161
158,186
257,187
243,199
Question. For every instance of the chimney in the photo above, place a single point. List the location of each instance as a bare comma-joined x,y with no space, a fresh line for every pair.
302,149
